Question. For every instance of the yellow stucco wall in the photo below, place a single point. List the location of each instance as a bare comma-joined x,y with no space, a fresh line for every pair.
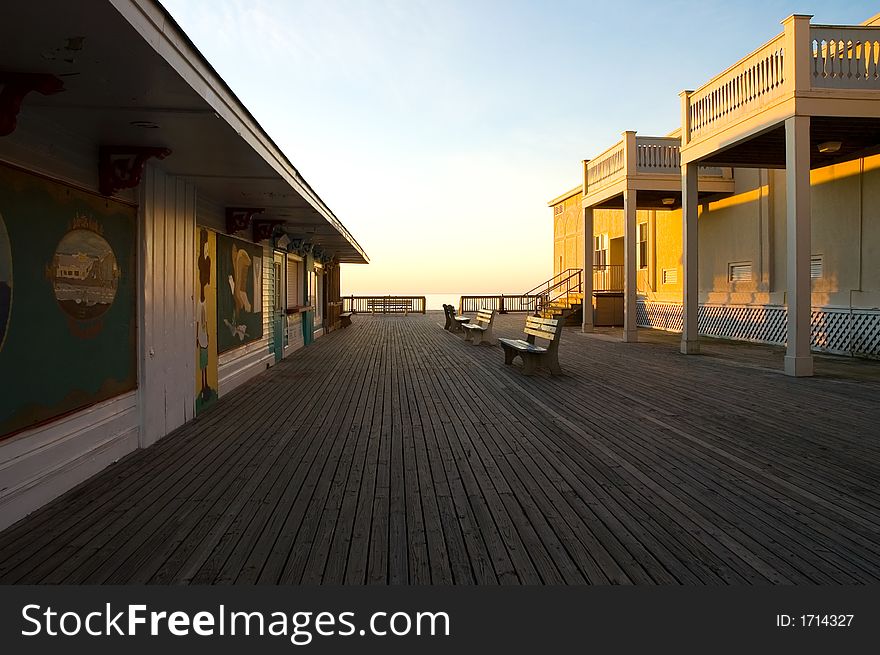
667,252
750,227
568,242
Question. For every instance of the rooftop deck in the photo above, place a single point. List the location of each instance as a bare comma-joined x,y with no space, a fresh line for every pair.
649,165
421,459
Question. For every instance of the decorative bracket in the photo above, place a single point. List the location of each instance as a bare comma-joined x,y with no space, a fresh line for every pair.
15,87
296,246
121,167
307,248
239,218
265,228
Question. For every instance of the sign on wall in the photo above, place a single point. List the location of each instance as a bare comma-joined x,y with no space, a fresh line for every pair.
239,292
68,327
206,318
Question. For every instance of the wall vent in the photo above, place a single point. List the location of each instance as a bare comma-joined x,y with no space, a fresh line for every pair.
739,272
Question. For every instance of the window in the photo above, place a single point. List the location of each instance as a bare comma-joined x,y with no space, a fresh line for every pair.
643,245
600,250
294,281
816,266
739,272
670,276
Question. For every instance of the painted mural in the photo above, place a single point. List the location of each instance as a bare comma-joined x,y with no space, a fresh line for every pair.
84,274
239,292
206,319
68,334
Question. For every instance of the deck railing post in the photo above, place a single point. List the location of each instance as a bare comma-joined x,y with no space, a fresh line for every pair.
796,69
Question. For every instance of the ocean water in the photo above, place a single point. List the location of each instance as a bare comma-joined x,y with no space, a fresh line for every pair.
437,300
433,301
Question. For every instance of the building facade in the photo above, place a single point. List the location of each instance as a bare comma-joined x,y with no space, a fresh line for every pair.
761,219
157,249
743,257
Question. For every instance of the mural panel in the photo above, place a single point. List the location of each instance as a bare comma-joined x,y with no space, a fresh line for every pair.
68,326
206,319
239,292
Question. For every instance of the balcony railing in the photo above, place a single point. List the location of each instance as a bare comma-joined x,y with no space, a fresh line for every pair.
654,155
658,155
748,85
802,58
607,165
608,277
845,57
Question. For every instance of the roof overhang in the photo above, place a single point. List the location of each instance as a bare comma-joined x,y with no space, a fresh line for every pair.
134,66
656,191
857,137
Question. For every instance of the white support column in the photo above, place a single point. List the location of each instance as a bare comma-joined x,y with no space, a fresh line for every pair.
630,243
798,358
587,275
690,333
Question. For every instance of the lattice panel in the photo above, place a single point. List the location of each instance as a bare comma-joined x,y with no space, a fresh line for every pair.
744,322
844,332
836,331
659,315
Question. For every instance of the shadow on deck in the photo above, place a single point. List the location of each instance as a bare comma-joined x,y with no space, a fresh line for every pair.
393,452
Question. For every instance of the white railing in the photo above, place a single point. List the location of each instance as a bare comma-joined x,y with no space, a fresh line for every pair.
748,85
607,165
658,155
844,57
655,155
802,58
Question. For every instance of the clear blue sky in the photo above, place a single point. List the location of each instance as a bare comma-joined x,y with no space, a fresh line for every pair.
437,131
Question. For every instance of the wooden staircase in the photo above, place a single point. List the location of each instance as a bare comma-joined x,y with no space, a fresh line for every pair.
569,310
561,297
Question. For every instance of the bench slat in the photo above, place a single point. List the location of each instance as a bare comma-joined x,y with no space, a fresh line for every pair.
538,321
540,333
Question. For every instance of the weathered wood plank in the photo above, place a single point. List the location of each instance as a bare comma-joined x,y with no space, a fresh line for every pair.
394,453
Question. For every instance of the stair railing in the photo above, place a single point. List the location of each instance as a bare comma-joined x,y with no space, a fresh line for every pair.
572,283
553,282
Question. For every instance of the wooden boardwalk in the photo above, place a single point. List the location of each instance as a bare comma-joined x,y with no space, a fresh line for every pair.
392,452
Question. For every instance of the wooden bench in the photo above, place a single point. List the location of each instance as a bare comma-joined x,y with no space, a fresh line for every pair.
545,328
386,305
453,321
345,319
480,331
